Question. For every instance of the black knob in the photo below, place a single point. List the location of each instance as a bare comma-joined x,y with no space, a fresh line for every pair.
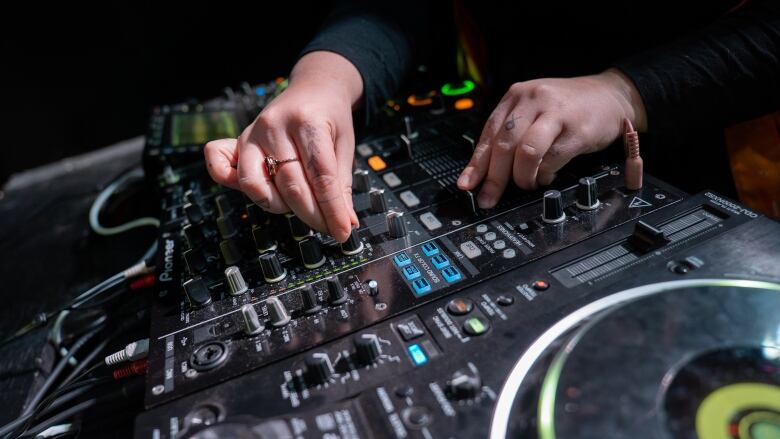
553,207
378,200
311,252
318,368
588,194
257,216
353,245
463,386
231,254
190,197
196,261
311,303
197,292
193,212
226,227
367,348
272,268
277,312
336,292
194,235
224,207
298,228
264,242
396,224
361,180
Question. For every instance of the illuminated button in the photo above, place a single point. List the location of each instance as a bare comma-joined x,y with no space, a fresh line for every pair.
430,221
456,89
430,249
499,245
464,104
509,253
440,261
392,179
451,274
409,198
421,287
460,306
418,355
476,326
260,91
481,228
421,101
364,150
490,236
402,259
470,250
376,163
540,285
411,272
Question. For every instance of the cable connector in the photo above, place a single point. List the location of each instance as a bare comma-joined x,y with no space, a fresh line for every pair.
143,282
136,368
134,351
634,166
137,270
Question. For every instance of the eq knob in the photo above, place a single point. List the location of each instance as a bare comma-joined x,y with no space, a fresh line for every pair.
353,245
272,268
190,196
552,206
226,227
195,260
252,323
257,215
367,348
396,224
223,205
193,212
194,235
311,252
197,292
587,194
231,254
311,303
361,180
298,228
318,368
378,200
235,281
336,292
264,242
463,386
277,312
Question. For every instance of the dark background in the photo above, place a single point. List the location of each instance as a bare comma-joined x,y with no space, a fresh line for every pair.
78,77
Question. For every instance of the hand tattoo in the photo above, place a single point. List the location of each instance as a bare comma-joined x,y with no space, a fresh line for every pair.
510,124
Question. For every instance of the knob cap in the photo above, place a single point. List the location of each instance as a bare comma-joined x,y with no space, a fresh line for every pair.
224,207
311,303
373,287
226,227
194,235
367,348
396,225
318,368
190,196
553,207
587,194
298,228
231,254
463,386
235,281
197,292
252,323
311,252
264,242
336,292
196,261
193,212
277,312
361,180
353,245
272,268
378,200
257,216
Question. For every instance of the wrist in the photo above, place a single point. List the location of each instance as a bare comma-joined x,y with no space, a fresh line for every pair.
331,72
627,94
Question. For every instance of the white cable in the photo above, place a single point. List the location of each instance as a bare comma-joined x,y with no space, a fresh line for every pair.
100,201
134,351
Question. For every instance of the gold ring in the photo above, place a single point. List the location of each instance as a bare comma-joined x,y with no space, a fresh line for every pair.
272,164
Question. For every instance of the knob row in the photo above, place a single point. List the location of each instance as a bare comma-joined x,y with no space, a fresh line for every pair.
587,199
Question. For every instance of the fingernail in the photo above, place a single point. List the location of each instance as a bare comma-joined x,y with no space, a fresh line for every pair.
485,201
464,179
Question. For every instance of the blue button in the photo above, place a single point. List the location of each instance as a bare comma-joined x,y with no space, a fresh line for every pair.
260,91
440,261
411,272
402,259
430,249
421,287
418,354
451,274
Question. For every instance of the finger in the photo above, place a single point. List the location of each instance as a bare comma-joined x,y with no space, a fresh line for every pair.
502,151
222,160
532,148
319,161
477,167
253,179
345,154
556,158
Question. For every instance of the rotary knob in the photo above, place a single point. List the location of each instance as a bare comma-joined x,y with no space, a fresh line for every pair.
264,242
257,215
193,212
318,368
235,281
226,227
272,268
367,348
361,181
462,386
298,229
378,200
195,260
336,292
553,207
311,252
311,303
197,292
252,323
231,254
353,245
587,194
224,207
277,312
396,224
194,235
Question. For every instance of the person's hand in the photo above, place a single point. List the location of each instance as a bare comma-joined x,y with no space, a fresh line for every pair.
312,122
540,125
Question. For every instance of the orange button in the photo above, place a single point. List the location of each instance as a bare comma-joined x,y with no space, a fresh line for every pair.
376,163
464,104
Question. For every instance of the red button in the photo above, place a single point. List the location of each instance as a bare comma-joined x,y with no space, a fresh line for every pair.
540,285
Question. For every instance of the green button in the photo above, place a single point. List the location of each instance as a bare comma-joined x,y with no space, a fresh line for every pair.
476,326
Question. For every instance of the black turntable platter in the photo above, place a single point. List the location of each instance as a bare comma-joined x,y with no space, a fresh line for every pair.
688,359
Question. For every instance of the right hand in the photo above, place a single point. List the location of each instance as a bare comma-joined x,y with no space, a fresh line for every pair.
311,121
